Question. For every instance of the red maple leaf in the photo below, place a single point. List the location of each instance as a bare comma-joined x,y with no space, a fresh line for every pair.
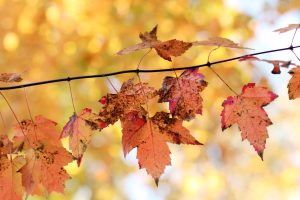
246,110
151,137
183,94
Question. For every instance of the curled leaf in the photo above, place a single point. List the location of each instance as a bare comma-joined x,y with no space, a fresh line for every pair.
79,128
276,63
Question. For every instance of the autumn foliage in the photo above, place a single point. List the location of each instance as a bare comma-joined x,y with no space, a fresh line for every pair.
33,161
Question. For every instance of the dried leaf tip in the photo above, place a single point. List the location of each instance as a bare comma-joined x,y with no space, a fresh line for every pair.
156,181
219,42
261,155
287,28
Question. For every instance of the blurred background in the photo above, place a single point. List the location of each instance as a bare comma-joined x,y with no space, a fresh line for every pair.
43,39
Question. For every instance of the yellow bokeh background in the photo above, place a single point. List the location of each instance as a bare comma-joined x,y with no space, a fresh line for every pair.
49,39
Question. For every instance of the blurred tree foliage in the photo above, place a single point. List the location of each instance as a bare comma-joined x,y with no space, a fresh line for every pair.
45,39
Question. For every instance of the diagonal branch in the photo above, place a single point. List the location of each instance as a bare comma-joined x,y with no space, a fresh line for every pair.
143,70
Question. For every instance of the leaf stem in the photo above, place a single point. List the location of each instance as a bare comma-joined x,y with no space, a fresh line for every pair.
71,95
223,80
30,115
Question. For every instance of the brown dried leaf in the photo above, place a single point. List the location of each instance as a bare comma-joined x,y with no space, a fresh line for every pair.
220,42
164,49
171,48
276,63
287,28
130,98
10,77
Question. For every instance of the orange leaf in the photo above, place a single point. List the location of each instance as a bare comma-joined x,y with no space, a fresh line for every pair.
151,137
45,156
182,93
44,169
10,178
40,130
294,83
246,110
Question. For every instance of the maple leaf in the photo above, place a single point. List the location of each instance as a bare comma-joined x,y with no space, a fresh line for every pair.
10,178
33,133
44,154
220,42
130,98
151,137
182,93
164,49
276,63
294,83
44,169
246,110
287,28
10,77
6,146
80,128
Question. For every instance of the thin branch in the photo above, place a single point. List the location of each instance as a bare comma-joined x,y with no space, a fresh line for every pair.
230,88
141,70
